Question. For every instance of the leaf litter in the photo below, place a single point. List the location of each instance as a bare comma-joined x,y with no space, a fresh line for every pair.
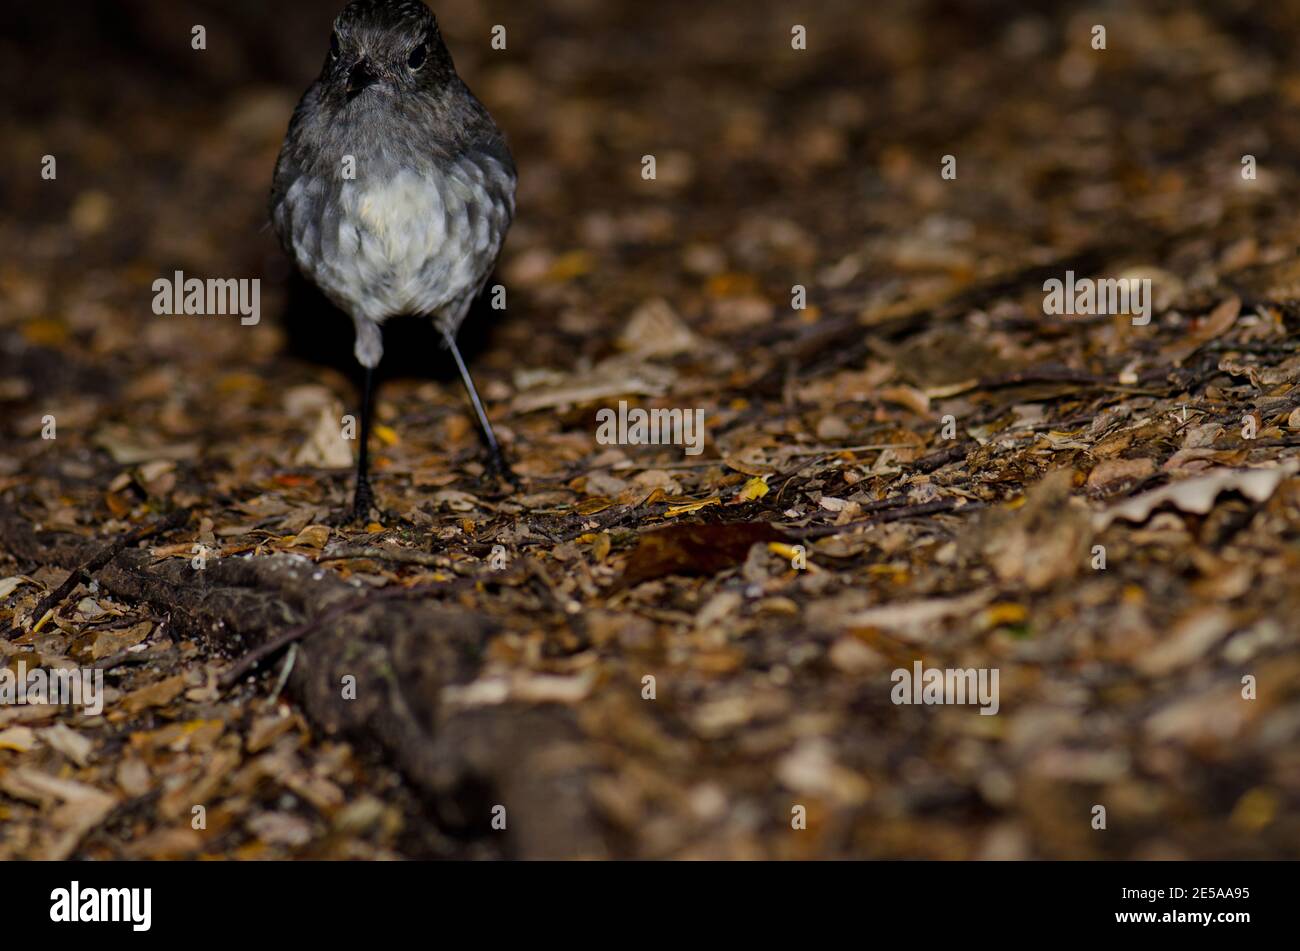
918,466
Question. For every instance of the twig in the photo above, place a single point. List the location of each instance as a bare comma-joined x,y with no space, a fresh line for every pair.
833,450
787,475
86,570
911,511
618,517
284,673
403,556
1050,375
122,658
645,467
936,460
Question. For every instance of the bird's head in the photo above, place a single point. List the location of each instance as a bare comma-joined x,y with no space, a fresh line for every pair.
385,48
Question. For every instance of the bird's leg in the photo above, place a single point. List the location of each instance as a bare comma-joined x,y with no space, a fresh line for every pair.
364,500
497,460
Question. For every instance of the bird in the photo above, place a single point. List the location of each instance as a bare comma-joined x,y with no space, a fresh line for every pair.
393,192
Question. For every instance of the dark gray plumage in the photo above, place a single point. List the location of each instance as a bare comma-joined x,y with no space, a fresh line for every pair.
419,227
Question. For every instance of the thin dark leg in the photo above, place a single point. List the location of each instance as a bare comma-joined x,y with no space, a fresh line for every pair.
364,499
498,459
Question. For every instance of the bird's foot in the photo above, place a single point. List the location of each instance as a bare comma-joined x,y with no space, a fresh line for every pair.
498,469
363,503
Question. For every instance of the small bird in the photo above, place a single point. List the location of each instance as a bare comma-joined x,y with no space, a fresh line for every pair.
394,190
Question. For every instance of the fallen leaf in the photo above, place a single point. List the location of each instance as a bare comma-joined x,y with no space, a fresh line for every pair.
908,397
593,506
1219,320
1004,613
654,329
166,843
811,768
913,616
694,550
613,377
313,536
281,828
17,738
1113,472
106,643
694,506
69,742
155,695
81,806
1191,637
1043,541
1198,494
121,445
325,448
8,585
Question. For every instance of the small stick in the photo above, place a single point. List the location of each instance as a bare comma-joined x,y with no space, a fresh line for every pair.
402,556
833,450
122,658
911,511
86,570
941,458
284,674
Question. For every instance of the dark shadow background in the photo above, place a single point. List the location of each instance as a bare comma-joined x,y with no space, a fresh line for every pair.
585,87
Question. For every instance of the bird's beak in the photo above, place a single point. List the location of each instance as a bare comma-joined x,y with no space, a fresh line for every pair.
361,77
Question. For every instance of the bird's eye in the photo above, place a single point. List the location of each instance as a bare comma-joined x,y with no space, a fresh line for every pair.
334,46
416,59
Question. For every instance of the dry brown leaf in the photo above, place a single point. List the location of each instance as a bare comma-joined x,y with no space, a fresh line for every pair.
155,695
654,329
313,536
75,746
1191,637
1216,323
908,397
17,738
694,550
1043,541
106,643
914,618
1198,494
325,448
1110,473
612,378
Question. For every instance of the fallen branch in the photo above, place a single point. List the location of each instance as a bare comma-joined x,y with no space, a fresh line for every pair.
126,657
86,570
399,652
400,556
281,641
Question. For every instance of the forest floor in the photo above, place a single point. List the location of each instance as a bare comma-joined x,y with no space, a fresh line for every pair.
640,652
